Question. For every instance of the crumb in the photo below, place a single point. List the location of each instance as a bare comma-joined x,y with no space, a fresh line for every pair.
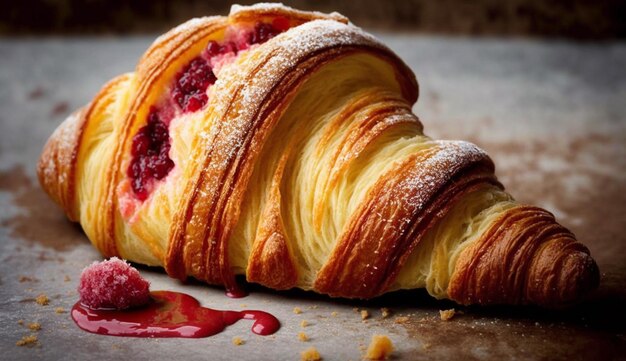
364,314
23,279
304,323
310,354
59,310
426,346
355,309
380,348
334,313
237,341
402,319
303,337
34,326
37,93
30,340
116,346
243,305
20,322
60,108
67,278
446,315
42,299
297,310
385,312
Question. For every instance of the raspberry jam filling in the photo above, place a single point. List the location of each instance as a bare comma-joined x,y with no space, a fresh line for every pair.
189,93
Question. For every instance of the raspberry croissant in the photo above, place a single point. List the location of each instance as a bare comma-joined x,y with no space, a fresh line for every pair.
280,144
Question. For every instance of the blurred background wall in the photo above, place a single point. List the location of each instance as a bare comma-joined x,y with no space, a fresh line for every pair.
575,19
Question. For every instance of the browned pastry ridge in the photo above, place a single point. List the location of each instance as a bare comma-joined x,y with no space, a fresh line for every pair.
291,155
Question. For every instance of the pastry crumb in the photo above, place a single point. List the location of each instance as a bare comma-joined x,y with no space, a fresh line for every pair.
380,348
304,323
20,322
334,313
42,299
238,341
355,309
67,278
364,314
446,315
303,337
310,354
401,319
34,326
23,279
297,310
30,340
59,310
385,312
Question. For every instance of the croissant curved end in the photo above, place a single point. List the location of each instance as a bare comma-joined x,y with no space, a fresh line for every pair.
57,163
525,257
562,275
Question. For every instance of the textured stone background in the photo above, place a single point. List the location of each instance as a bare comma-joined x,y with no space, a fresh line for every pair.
576,19
552,114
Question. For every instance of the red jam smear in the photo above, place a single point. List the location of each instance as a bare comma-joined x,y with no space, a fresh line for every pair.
169,314
150,149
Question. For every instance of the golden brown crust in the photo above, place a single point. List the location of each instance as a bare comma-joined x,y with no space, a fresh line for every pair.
56,168
525,257
203,224
271,262
57,165
392,111
397,212
255,12
164,55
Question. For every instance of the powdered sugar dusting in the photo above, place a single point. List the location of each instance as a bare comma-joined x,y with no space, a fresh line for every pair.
258,71
425,180
236,10
64,137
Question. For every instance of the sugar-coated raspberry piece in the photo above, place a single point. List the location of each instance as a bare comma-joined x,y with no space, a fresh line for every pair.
113,284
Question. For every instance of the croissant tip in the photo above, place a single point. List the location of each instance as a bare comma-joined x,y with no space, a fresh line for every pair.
577,277
581,276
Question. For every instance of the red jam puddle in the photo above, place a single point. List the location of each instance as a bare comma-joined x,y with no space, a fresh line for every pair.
169,314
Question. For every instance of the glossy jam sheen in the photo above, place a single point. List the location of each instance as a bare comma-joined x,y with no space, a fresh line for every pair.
170,314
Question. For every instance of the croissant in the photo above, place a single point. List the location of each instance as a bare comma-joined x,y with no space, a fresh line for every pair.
281,145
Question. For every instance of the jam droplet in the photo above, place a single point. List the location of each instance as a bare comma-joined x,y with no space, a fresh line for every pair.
170,314
235,291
